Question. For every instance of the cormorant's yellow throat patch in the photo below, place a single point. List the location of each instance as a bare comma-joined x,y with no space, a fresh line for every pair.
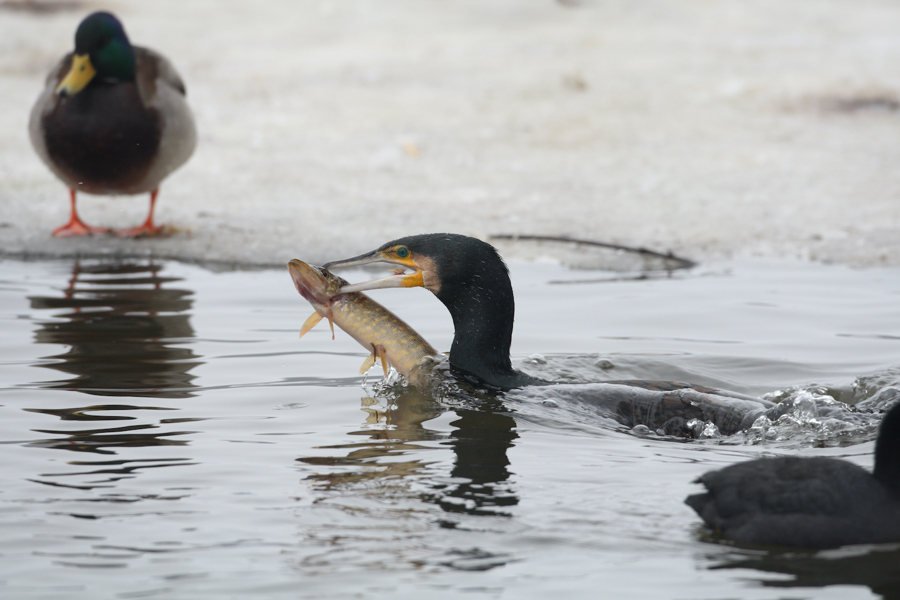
79,75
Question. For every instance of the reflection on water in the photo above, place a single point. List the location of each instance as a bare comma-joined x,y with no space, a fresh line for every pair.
104,440
394,433
480,441
876,567
478,481
283,475
124,330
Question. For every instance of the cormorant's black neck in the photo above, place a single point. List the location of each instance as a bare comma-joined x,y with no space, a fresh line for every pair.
887,452
483,311
475,288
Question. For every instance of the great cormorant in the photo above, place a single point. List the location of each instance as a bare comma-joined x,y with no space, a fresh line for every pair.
472,281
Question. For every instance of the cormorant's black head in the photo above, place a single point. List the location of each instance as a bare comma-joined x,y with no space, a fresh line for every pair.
439,262
887,451
472,281
102,52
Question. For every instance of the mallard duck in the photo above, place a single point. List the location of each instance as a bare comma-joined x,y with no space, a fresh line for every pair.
112,119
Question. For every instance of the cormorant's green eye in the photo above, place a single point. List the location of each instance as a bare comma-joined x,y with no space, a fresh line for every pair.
402,252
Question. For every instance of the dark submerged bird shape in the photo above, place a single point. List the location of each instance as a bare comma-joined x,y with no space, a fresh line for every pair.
470,278
807,502
112,119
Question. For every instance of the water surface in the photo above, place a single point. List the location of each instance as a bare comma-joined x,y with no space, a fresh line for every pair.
165,434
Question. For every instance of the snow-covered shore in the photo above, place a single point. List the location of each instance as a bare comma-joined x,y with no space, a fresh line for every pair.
713,129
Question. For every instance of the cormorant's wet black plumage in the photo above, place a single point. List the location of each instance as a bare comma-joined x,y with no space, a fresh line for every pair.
470,278
476,289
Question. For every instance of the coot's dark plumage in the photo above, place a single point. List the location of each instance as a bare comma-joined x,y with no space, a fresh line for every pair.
112,119
807,502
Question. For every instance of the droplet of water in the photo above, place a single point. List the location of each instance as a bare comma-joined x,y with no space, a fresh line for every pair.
640,430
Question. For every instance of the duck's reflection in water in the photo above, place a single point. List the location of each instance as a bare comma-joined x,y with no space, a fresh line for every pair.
478,483
126,328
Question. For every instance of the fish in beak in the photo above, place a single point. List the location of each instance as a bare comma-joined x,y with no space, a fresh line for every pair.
319,287
376,328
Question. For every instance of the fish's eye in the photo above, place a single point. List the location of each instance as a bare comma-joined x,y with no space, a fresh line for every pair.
402,252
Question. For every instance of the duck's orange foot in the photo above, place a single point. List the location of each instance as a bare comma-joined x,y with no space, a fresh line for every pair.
75,227
145,230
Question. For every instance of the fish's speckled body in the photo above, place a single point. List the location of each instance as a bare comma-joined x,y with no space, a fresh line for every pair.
379,330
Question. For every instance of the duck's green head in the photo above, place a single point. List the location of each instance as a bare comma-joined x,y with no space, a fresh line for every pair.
102,51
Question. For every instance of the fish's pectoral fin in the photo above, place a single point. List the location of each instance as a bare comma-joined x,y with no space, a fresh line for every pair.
369,362
311,322
330,323
382,351
378,351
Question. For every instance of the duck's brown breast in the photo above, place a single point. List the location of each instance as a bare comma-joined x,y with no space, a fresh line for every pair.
103,138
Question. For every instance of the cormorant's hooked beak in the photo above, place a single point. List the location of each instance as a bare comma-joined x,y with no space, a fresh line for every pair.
400,278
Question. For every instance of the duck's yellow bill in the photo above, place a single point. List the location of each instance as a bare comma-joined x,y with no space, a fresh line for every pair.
78,77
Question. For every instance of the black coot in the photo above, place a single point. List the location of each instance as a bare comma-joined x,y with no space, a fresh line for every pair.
807,502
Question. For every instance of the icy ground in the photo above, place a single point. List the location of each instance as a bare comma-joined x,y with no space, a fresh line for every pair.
713,129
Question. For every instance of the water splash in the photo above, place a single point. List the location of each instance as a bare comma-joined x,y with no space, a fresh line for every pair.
802,416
